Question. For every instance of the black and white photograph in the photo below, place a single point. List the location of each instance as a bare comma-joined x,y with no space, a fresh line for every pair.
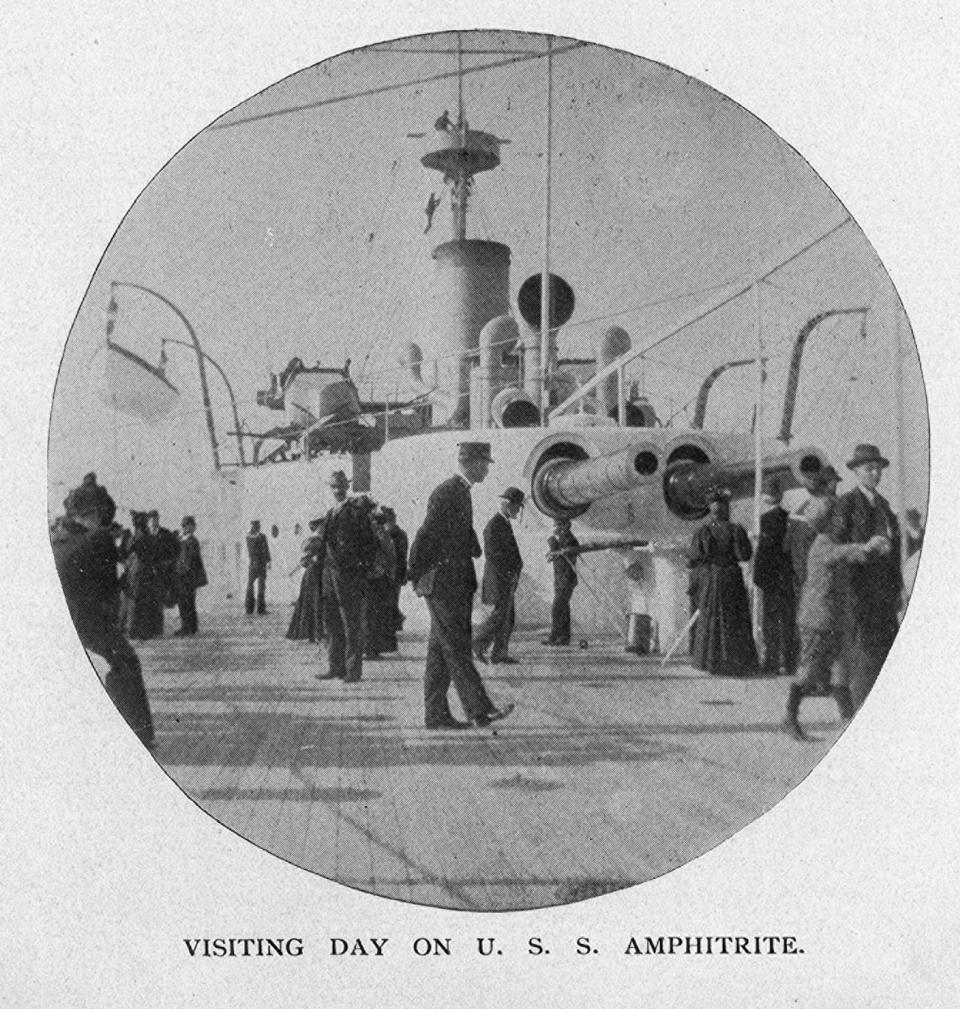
488,470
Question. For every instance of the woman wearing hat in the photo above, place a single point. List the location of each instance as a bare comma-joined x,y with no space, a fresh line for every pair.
875,586
722,635
149,552
306,624
86,558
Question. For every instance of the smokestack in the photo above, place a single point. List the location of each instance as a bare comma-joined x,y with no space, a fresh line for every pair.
472,287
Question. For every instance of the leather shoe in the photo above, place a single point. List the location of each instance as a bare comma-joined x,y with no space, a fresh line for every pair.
507,660
327,676
493,715
556,644
448,723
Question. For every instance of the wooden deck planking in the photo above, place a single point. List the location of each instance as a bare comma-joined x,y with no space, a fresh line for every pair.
610,771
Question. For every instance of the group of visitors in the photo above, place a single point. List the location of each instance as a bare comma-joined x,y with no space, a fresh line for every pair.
117,583
828,570
355,564
160,570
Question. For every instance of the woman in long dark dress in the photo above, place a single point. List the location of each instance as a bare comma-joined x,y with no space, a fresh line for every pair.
380,619
144,610
722,635
306,624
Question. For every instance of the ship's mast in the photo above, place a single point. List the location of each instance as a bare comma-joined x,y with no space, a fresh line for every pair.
546,353
471,277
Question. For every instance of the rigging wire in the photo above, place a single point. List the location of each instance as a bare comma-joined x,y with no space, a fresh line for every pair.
392,87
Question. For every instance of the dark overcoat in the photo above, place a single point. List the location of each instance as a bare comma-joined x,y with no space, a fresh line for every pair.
258,550
503,562
875,586
446,543
191,574
772,570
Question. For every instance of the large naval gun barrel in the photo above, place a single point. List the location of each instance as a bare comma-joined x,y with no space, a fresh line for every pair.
675,477
565,486
687,484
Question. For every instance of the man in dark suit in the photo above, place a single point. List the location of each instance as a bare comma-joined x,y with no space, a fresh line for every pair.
501,573
349,549
191,575
875,586
258,551
563,550
441,568
773,576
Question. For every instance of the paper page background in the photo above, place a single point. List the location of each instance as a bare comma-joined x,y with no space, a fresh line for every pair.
108,866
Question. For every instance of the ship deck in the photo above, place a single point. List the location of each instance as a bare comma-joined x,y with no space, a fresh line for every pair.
611,770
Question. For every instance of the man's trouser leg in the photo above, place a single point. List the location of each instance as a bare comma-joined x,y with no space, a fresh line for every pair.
343,606
450,641
501,637
124,682
818,650
491,630
866,655
333,625
436,679
248,598
187,605
560,614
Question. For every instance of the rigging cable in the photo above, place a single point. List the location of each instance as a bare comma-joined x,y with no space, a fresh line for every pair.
393,87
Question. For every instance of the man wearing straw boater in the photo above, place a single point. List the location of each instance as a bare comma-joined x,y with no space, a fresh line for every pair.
875,586
441,569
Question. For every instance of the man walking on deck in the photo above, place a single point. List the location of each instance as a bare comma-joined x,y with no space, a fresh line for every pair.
875,587
501,573
441,568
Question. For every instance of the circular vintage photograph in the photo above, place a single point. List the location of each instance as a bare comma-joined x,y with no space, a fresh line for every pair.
488,469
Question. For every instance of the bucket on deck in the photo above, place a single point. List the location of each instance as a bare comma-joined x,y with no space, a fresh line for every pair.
639,633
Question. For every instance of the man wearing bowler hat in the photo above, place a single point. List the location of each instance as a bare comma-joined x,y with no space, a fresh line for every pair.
501,572
349,548
441,569
875,586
